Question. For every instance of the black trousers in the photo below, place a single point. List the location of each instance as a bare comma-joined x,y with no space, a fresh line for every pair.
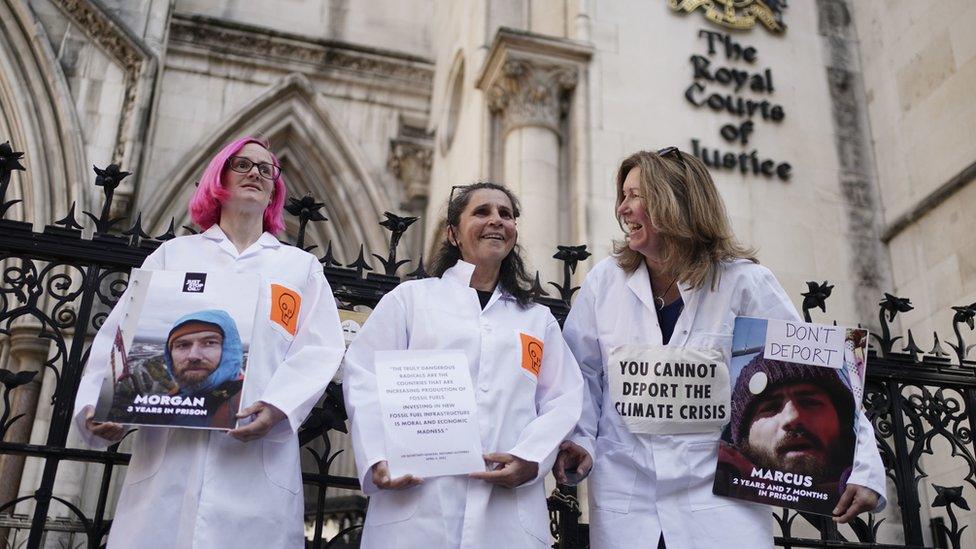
660,542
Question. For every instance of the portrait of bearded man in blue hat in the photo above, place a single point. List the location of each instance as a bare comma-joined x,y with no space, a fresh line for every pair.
205,357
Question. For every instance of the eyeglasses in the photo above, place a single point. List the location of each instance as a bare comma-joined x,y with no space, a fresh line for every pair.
450,198
242,164
672,150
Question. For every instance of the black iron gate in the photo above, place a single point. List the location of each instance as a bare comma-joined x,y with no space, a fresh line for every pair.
57,288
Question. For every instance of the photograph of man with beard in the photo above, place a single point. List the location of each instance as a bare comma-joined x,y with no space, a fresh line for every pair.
192,378
205,358
791,437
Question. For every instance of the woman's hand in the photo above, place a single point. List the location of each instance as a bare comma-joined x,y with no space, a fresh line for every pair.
112,432
265,415
514,471
382,480
855,500
572,457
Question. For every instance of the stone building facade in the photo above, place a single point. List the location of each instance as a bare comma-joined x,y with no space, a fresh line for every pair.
841,133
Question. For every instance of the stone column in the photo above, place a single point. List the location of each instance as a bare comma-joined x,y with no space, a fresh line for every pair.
410,161
77,482
529,81
27,353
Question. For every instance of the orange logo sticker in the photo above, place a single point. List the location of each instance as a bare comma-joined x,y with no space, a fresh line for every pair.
285,306
531,354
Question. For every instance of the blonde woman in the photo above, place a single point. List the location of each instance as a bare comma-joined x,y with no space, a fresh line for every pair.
676,282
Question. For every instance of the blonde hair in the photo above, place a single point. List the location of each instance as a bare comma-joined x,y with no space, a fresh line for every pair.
686,212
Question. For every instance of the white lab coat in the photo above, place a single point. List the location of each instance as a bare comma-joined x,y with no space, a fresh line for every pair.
202,489
643,485
517,414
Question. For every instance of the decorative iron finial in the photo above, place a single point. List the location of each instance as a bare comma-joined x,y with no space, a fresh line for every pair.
889,307
135,232
570,256
10,382
397,226
947,497
815,297
912,347
69,221
170,233
108,179
306,209
360,264
331,416
10,159
866,531
536,291
329,260
937,351
9,162
420,271
964,314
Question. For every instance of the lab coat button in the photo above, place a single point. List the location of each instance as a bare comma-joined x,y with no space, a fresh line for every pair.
484,387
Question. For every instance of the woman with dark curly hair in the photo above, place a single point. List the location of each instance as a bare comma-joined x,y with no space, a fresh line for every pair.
528,388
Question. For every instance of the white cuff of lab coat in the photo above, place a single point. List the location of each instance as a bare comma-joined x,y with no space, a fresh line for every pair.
862,477
285,428
545,462
91,440
366,477
585,442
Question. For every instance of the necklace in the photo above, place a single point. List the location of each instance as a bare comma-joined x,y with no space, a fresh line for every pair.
659,299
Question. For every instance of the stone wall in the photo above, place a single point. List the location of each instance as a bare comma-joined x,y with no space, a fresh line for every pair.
919,62
639,75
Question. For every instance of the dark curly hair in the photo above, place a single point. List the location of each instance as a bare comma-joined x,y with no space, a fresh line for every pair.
512,275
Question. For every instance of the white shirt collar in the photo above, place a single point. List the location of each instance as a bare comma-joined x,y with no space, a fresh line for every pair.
461,273
217,234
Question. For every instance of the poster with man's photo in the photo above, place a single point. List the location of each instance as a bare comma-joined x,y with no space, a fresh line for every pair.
796,390
180,352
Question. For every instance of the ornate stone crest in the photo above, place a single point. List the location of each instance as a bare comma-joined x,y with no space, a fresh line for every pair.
737,14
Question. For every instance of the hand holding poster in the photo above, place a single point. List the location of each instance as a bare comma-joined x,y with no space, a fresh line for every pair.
180,352
792,433
429,413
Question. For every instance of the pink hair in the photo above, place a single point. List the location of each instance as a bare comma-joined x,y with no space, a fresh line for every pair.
210,194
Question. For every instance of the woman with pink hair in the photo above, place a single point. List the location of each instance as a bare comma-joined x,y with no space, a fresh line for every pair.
242,488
